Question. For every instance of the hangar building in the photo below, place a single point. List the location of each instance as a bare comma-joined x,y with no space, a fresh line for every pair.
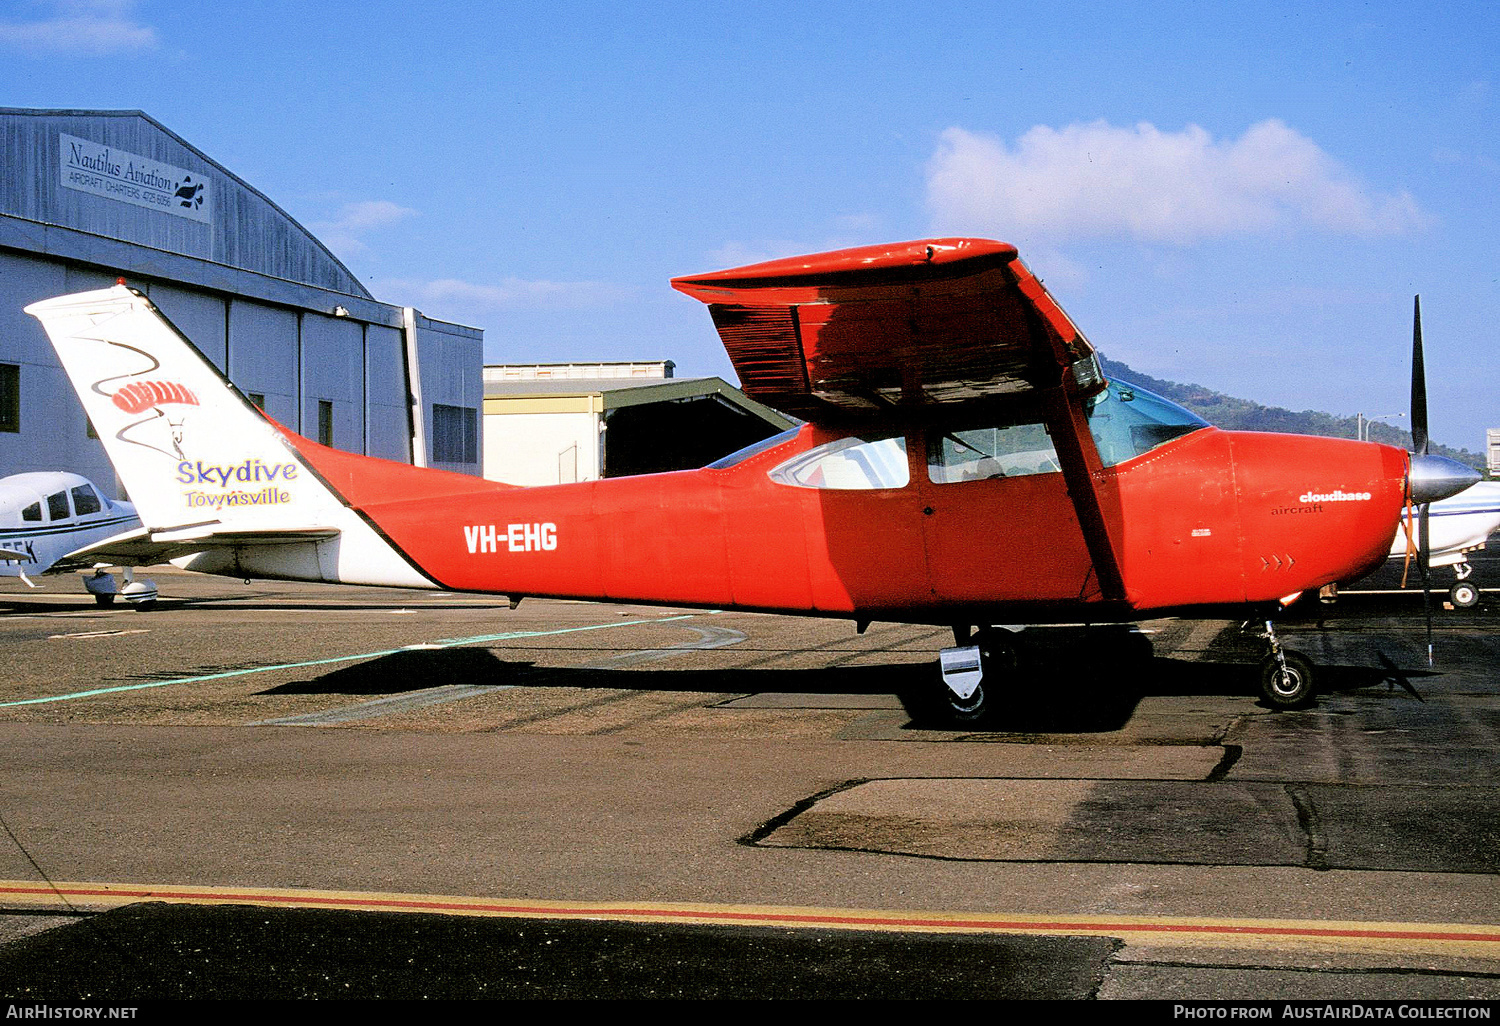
87,197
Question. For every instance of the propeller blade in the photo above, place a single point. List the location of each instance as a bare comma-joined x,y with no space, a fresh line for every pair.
1418,382
1411,539
1425,556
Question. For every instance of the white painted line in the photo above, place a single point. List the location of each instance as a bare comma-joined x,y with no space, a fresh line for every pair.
445,643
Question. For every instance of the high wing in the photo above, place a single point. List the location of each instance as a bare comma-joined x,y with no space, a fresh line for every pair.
914,323
914,327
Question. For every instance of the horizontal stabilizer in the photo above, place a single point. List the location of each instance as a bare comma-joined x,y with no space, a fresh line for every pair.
142,547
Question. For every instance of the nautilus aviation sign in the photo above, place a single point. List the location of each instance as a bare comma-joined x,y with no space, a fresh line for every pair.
131,178
148,403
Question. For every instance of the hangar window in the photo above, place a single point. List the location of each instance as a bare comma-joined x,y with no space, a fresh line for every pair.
325,422
57,506
455,434
848,464
10,397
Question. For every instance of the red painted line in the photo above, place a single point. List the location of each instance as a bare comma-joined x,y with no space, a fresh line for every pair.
799,919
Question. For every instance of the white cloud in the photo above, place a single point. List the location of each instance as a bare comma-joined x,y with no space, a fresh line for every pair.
81,26
1096,180
344,233
505,294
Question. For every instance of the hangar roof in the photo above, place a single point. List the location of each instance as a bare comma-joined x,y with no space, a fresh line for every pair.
566,395
79,182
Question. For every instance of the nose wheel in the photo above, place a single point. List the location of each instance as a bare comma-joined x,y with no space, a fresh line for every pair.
1286,677
1287,682
1464,595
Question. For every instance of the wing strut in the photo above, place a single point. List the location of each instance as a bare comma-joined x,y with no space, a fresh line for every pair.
1076,452
1081,468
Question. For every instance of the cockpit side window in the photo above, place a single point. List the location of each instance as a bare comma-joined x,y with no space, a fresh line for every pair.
32,514
85,501
57,506
975,452
848,464
1127,421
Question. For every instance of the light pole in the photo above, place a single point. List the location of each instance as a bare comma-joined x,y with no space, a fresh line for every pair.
1362,423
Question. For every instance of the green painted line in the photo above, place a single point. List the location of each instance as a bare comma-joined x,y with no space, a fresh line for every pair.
445,643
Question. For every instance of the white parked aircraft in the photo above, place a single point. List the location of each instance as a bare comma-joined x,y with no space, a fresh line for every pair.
1458,526
52,520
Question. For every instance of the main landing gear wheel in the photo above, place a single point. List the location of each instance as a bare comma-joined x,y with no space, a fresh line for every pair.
1463,595
997,661
1286,682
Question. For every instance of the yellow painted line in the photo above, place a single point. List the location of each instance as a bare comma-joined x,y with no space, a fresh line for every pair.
1468,939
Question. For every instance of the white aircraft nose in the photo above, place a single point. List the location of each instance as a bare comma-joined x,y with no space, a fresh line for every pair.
1437,477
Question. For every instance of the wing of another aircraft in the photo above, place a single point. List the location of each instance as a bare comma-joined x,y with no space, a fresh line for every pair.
933,321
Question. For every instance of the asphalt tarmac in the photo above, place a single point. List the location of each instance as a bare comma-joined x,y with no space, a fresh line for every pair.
271,790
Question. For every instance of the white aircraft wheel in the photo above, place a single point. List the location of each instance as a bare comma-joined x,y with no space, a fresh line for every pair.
1464,595
1288,687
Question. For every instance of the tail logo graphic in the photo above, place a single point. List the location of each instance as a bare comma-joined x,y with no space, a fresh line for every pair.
138,396
142,395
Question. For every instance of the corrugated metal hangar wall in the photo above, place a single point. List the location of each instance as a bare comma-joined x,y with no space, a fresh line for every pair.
87,197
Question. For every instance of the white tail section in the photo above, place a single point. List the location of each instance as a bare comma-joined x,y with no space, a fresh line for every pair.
203,467
189,449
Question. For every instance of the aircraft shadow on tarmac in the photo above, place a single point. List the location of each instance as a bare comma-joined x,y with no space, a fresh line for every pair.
1062,686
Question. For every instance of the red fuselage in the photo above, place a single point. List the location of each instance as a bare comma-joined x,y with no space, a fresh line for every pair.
1210,518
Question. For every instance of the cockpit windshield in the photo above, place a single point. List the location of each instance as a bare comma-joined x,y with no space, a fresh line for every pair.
1127,421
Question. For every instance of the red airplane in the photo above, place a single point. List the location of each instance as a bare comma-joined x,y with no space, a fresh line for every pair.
963,463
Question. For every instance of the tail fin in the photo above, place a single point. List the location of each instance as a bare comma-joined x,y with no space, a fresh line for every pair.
188,447
205,469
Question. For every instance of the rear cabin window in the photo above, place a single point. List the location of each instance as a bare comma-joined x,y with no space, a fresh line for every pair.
848,464
975,452
32,513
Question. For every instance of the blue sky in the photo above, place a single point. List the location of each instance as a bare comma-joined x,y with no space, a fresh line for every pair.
1242,195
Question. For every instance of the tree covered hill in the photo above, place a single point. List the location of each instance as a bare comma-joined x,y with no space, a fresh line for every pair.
1243,415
